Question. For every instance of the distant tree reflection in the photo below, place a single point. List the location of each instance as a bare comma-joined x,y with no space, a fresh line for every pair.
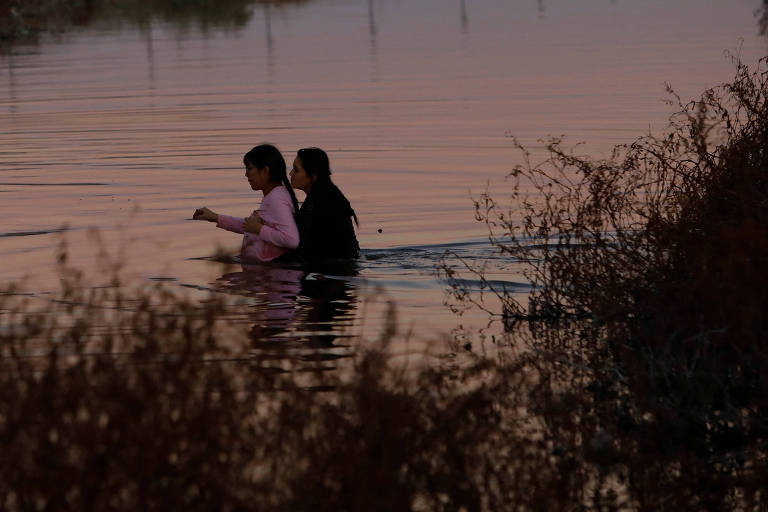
24,19
205,14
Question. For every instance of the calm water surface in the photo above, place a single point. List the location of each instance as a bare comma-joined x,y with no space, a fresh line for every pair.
128,129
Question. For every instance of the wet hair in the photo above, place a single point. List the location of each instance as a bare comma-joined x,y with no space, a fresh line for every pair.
315,163
267,155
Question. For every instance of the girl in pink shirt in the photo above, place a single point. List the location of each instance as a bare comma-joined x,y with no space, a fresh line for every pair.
271,230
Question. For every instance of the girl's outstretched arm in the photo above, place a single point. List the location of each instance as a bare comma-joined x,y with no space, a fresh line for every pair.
234,224
205,214
227,222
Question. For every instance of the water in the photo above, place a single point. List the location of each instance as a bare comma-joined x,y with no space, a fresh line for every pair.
127,127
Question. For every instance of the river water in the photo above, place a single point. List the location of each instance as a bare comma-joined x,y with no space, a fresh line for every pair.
125,127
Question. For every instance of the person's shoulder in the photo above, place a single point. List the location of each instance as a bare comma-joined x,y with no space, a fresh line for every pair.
278,195
332,195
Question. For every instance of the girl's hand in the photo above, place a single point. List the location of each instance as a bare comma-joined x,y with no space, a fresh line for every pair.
253,224
205,214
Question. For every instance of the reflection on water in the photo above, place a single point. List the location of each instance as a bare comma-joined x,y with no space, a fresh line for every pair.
464,17
26,20
141,114
273,289
318,315
307,309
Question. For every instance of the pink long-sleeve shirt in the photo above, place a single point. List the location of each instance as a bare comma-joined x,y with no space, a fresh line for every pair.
279,233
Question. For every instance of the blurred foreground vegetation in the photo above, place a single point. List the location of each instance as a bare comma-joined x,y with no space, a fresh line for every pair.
635,378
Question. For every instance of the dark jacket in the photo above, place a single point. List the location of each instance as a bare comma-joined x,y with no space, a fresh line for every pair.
325,225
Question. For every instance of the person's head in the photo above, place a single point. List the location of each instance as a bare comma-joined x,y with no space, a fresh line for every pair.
264,167
310,166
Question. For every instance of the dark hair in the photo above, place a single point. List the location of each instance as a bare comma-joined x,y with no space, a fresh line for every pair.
267,155
315,162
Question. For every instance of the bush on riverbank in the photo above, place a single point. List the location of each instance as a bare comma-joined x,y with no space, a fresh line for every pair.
650,268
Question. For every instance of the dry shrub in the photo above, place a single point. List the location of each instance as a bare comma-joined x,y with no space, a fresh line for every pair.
120,398
649,275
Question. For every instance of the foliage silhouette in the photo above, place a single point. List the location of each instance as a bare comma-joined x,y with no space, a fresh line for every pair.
648,279
125,399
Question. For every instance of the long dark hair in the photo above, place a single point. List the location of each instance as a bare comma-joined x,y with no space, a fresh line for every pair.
267,155
316,164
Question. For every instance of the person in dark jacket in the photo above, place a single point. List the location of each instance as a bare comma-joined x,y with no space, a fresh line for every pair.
325,218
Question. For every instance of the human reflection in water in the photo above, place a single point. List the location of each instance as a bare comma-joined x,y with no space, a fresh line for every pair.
328,312
294,313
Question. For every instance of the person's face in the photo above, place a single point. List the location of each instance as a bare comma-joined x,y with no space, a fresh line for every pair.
299,177
257,177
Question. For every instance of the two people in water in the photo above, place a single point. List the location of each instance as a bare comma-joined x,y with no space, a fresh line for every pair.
320,230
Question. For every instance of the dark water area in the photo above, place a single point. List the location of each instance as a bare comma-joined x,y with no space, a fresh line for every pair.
117,127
